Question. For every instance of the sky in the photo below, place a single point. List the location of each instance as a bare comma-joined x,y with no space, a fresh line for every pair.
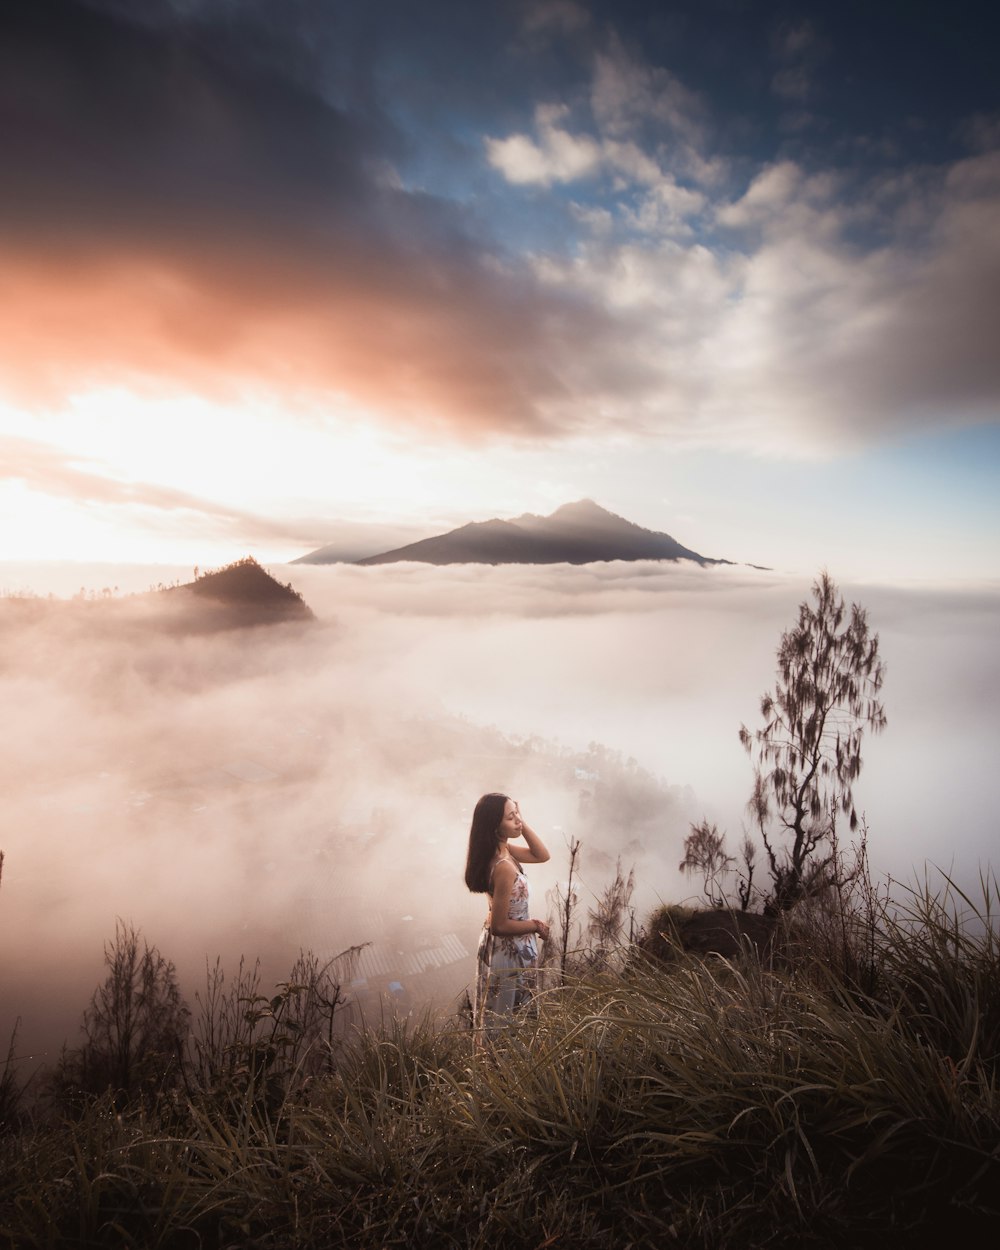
275,270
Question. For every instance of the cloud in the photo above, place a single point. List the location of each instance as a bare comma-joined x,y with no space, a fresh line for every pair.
792,40
562,17
839,313
558,156
799,48
894,335
260,791
982,132
188,203
627,93
652,201
778,193
172,215
792,83
817,309
256,792
48,471
771,190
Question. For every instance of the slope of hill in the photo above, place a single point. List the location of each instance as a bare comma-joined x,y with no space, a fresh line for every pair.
576,533
355,540
241,594
238,596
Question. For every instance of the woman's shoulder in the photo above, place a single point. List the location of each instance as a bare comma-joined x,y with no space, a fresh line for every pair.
504,866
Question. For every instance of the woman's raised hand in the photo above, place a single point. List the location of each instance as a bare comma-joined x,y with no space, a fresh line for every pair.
537,852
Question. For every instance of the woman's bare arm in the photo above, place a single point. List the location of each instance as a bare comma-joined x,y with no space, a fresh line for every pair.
535,852
504,876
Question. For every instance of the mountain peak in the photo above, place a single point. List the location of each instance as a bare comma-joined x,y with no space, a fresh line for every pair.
242,593
581,507
581,532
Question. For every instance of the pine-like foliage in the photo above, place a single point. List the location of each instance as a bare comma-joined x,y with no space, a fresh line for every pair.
807,756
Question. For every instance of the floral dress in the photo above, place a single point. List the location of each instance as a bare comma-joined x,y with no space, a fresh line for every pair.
505,971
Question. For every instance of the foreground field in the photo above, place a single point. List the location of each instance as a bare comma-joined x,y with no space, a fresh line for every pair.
697,1103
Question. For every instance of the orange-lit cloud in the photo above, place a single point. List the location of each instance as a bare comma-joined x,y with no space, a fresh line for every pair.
168,219
441,347
192,202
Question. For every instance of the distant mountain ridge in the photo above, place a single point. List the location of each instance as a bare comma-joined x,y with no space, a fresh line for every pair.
356,540
577,533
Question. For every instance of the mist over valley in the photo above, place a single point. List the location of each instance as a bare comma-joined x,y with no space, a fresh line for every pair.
308,784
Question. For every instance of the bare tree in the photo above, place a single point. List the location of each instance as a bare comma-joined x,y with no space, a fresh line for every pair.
807,756
564,900
134,1027
748,852
606,925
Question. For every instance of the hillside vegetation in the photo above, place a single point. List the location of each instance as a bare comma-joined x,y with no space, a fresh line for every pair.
845,1097
240,595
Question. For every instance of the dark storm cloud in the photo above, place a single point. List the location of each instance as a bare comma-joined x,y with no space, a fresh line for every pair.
520,219
181,198
117,128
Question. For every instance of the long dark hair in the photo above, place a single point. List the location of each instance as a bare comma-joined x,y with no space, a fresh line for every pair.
483,841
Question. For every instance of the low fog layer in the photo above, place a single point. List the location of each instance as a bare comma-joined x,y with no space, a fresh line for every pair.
310,786
662,662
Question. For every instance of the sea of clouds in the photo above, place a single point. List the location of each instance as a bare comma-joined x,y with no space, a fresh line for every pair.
261,791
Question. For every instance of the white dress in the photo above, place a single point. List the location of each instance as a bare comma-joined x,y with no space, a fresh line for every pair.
506,964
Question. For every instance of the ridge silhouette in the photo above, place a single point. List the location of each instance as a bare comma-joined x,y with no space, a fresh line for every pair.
575,533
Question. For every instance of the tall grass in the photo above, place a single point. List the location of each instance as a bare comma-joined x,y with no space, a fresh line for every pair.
706,1103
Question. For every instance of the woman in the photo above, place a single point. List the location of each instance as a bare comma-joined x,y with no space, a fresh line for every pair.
508,954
